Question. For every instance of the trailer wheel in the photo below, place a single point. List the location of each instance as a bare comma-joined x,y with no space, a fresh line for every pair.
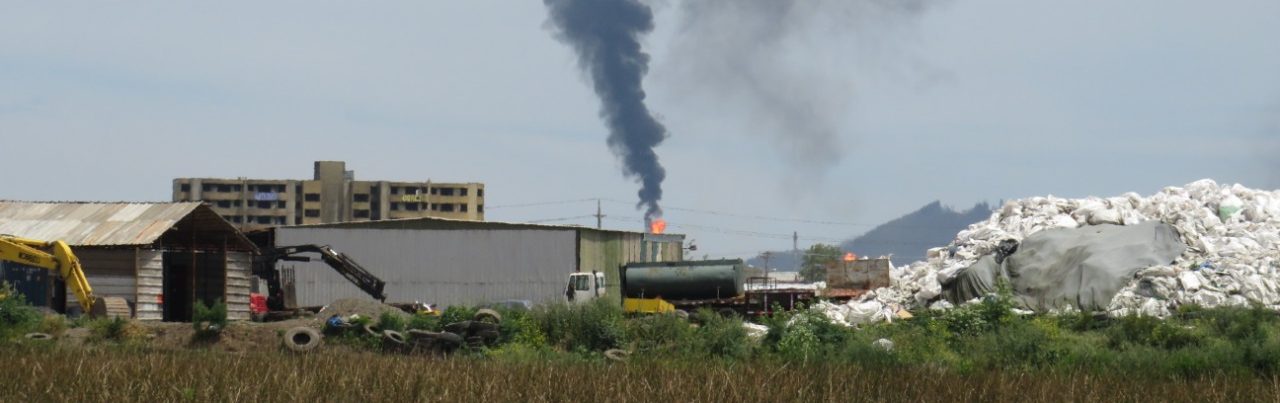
617,355
301,339
38,336
487,315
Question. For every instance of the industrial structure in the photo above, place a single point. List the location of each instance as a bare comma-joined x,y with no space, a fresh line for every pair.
332,196
450,262
160,257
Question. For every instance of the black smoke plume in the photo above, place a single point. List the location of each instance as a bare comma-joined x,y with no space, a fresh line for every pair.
605,34
787,67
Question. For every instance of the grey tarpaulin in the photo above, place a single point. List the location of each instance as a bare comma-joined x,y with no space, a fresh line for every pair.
1081,267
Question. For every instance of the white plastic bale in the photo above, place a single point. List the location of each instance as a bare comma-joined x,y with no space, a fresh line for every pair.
1241,248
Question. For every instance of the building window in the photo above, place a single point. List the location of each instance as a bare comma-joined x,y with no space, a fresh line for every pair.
435,207
435,191
206,188
446,191
279,220
235,188
447,207
263,204
185,187
311,197
264,219
411,206
224,203
362,214
311,213
362,197
234,219
480,193
462,192
281,204
395,206
395,190
462,207
251,188
236,203
224,188
479,208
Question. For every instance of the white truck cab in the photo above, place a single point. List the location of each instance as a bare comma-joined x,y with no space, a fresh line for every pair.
584,287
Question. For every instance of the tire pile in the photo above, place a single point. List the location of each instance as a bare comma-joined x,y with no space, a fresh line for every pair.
482,331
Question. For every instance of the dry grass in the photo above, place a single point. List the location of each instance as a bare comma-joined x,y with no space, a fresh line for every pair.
60,374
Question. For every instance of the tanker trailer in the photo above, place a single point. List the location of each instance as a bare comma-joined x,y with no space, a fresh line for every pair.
719,285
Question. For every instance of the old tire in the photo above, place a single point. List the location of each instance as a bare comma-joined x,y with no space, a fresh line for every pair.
415,334
449,339
458,327
614,354
487,315
394,337
38,336
301,339
372,330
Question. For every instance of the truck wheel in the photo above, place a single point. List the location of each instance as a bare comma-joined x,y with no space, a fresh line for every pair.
617,355
301,339
38,336
487,315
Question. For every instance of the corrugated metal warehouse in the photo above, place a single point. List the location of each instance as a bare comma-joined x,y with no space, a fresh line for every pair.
449,262
161,257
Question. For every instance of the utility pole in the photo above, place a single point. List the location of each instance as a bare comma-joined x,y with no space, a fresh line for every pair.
795,248
599,216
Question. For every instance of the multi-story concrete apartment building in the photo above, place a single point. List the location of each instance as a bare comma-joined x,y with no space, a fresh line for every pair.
332,196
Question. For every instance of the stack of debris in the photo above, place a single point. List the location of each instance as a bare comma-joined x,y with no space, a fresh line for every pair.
1231,256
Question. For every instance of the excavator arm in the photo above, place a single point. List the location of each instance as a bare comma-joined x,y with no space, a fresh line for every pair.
55,256
340,262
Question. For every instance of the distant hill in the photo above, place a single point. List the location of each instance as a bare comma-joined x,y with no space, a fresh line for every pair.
906,238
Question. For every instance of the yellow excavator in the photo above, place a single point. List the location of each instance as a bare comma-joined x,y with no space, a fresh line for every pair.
55,256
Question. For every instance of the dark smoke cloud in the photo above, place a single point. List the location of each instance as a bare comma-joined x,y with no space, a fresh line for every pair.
786,64
605,34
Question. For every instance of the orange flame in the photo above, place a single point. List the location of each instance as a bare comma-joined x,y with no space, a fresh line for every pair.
849,257
658,226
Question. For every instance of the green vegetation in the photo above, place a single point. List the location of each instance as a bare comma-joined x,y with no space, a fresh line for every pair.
816,259
16,316
208,321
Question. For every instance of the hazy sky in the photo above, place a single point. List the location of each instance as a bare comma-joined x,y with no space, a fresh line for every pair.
962,101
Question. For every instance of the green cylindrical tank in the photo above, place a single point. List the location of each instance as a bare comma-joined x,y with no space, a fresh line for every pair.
704,279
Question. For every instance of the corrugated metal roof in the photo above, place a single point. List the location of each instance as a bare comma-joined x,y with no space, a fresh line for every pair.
92,224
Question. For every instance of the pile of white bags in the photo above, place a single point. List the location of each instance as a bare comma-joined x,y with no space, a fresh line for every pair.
1232,234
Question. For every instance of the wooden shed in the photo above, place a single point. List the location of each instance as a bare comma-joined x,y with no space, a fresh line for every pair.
161,257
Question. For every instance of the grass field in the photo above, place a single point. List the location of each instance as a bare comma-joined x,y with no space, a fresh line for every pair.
978,352
58,374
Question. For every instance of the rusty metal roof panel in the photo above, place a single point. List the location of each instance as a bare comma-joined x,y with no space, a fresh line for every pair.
92,224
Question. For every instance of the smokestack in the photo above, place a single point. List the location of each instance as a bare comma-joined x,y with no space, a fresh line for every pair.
605,35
